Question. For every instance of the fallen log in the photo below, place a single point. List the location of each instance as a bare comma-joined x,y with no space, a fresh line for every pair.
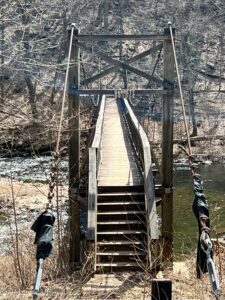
201,138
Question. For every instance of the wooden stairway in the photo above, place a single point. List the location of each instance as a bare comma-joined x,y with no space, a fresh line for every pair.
121,229
121,197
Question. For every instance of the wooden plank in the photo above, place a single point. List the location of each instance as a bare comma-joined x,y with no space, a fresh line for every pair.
123,232
114,242
139,92
122,65
119,183
123,175
161,289
116,149
92,195
99,125
125,37
116,68
121,253
121,203
167,151
130,212
113,181
121,194
118,264
126,222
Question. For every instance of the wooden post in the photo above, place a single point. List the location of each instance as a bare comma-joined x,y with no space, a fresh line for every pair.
161,289
167,151
74,154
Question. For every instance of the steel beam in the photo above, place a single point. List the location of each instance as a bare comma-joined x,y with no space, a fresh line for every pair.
123,37
73,91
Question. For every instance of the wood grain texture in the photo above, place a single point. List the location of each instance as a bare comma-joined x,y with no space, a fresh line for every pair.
118,165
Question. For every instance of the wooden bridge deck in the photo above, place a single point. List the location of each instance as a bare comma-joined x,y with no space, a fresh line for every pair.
118,166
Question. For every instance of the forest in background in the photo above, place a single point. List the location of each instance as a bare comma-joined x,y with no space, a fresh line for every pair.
34,47
33,39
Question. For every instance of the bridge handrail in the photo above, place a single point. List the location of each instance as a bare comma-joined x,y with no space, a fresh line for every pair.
143,151
94,160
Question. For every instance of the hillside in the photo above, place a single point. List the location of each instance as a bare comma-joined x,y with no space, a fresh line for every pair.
34,51
33,61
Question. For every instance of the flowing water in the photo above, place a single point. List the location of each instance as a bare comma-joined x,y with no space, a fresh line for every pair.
185,224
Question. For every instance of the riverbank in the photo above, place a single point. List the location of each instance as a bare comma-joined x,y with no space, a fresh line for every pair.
30,188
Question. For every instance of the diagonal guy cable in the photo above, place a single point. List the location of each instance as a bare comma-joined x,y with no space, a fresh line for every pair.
65,89
181,92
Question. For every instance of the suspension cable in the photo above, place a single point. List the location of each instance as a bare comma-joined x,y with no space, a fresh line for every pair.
205,243
181,92
65,89
54,169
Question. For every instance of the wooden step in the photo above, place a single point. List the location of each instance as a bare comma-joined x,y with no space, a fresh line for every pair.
121,253
132,212
127,242
120,222
159,191
103,189
121,203
121,194
118,264
121,232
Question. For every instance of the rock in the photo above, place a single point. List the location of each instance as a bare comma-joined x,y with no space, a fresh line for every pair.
207,162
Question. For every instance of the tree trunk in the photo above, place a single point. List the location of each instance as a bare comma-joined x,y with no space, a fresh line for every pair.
2,63
99,18
31,94
25,18
106,15
192,110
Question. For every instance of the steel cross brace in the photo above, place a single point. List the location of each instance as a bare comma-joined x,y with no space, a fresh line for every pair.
116,68
118,64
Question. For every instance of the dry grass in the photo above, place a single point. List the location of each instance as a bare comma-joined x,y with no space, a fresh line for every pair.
56,285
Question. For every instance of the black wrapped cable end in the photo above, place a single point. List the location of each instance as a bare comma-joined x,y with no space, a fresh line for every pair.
200,209
43,227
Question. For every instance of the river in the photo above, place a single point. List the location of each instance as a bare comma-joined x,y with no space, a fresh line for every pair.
185,225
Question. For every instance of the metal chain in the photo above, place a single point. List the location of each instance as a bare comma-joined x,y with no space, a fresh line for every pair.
53,178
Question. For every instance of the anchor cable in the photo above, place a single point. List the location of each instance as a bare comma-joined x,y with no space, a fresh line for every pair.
65,89
180,90
200,205
43,226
